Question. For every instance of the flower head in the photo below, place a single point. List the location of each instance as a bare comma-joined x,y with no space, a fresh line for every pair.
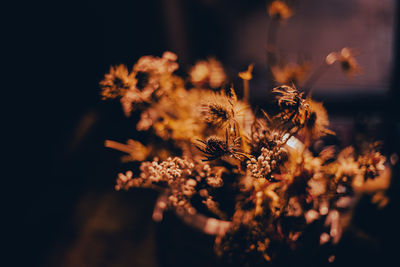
214,147
317,120
221,109
288,97
153,79
208,73
371,162
216,114
346,59
279,10
247,75
294,108
117,82
290,73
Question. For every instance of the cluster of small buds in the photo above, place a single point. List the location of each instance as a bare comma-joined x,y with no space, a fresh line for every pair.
170,170
266,133
268,162
125,181
182,178
266,138
212,175
176,172
259,168
181,204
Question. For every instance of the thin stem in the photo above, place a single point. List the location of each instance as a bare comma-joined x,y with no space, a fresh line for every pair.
272,34
246,91
315,77
271,56
207,225
161,205
118,146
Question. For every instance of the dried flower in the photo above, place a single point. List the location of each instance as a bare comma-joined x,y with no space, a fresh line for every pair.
289,98
137,151
266,133
292,73
279,10
372,162
117,82
247,75
221,109
217,115
277,190
215,148
317,120
268,162
208,73
153,79
124,181
348,62
294,106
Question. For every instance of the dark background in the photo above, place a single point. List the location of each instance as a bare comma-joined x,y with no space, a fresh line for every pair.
59,198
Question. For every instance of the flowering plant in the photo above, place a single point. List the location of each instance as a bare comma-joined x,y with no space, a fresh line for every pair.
252,179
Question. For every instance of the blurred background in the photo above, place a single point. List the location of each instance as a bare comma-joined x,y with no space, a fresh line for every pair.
62,205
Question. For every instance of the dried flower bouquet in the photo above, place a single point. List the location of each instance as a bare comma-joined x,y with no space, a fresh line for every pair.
250,178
